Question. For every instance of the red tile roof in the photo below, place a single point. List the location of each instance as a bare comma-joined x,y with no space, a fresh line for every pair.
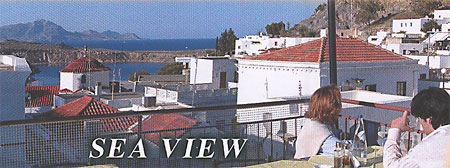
89,106
165,122
36,96
83,64
347,50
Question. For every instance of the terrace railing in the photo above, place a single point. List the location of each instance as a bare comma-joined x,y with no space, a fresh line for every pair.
68,141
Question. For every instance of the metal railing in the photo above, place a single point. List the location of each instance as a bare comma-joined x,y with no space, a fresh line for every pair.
68,141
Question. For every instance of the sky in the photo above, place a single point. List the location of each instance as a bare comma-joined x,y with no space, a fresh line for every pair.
169,19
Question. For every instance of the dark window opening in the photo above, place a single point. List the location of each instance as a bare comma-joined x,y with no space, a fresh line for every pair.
401,88
372,88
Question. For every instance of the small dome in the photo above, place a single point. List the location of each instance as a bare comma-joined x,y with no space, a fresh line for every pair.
83,64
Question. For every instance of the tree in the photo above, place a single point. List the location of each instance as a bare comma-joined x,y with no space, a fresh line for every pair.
430,25
171,69
227,42
135,76
368,11
305,31
275,28
425,7
217,45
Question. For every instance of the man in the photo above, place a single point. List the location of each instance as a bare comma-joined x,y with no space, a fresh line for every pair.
432,107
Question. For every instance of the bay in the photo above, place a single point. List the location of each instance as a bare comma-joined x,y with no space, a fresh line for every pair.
147,44
49,75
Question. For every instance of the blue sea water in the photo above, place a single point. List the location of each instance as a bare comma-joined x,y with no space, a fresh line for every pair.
49,75
148,44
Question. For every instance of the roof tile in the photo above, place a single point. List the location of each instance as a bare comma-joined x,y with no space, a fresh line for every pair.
84,64
347,50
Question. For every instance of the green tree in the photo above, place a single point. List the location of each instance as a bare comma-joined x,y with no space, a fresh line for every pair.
227,42
275,28
217,45
425,7
171,69
368,11
430,25
135,76
305,31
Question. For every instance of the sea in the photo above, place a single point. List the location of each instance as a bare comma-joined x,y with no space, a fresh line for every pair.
49,75
147,44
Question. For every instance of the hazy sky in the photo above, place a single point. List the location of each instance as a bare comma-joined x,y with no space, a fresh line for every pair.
160,19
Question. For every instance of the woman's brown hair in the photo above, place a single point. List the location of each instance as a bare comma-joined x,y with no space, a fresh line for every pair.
325,105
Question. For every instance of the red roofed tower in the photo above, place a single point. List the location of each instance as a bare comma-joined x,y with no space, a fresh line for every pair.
83,73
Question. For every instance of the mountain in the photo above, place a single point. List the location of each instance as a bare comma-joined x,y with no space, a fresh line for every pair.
47,31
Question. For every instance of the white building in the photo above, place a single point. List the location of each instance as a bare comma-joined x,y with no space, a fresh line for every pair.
409,26
302,69
256,44
442,15
216,72
403,46
378,39
13,72
83,73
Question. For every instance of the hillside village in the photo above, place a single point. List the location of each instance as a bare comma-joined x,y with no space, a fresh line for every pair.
261,92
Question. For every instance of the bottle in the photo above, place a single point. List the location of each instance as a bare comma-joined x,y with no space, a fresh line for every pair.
338,153
359,145
346,162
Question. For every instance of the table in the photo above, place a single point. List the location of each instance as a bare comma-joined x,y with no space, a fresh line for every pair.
375,155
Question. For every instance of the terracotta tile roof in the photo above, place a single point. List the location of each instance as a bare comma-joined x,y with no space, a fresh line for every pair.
347,50
165,122
89,106
37,96
83,64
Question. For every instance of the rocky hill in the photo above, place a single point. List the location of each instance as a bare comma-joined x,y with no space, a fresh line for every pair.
61,54
347,16
47,31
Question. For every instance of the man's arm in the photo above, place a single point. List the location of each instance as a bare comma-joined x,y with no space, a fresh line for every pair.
392,155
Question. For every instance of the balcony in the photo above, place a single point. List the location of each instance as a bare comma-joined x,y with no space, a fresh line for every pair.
68,141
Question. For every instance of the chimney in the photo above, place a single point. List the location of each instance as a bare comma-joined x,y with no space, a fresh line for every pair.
98,89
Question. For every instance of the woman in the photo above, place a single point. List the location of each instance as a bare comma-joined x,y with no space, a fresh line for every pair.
316,136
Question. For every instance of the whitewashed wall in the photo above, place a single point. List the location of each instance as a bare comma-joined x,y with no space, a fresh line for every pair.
72,81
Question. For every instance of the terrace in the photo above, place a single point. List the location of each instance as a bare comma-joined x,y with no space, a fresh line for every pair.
67,141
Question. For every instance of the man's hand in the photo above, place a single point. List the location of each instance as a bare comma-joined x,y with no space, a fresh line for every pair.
401,122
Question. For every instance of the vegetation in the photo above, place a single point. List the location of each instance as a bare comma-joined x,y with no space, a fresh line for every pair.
171,69
425,7
368,11
305,31
275,28
430,25
321,7
135,76
226,42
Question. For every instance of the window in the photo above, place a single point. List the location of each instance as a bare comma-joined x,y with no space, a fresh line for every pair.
401,88
276,43
239,47
372,88
83,79
236,76
423,76
404,52
401,24
410,24
342,34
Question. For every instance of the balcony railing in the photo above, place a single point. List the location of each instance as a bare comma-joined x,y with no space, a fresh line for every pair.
68,141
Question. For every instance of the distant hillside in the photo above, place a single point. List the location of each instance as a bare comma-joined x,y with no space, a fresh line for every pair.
347,16
47,31
61,54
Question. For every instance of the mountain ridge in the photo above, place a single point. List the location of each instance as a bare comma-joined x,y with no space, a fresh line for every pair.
46,31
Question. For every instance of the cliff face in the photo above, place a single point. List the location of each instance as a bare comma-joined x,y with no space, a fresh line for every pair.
346,10
43,30
59,54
